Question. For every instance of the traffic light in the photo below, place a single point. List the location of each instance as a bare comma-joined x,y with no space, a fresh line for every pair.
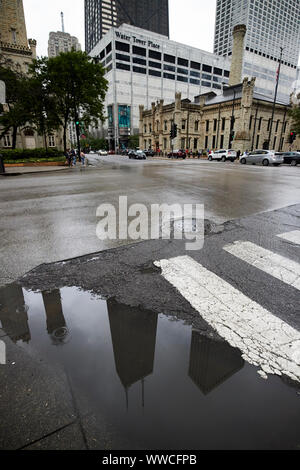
175,130
292,137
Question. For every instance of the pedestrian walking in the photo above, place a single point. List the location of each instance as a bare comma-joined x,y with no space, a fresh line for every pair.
238,154
68,156
73,157
82,158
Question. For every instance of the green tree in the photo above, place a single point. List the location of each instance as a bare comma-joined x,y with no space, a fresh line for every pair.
18,111
294,113
133,141
79,87
42,103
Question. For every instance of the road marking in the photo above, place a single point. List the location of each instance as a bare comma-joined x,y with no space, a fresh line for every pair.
264,339
293,237
284,269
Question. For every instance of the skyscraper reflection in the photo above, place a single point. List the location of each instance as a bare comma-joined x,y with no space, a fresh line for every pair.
212,362
133,333
56,323
13,313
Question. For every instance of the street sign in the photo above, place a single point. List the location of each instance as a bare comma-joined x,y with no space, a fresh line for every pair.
2,92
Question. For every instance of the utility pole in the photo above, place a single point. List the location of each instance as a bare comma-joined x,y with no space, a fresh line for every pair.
275,97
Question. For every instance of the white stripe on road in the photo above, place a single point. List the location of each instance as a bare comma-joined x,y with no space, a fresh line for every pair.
284,269
293,237
264,339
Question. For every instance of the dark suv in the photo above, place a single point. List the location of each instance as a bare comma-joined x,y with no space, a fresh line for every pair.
149,153
292,158
177,154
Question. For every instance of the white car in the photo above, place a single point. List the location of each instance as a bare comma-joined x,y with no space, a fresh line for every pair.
102,152
223,155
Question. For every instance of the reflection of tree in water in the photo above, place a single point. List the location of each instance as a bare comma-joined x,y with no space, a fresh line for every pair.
13,313
133,333
56,324
212,362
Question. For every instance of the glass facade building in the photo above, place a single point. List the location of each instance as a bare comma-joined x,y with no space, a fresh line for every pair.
102,15
271,24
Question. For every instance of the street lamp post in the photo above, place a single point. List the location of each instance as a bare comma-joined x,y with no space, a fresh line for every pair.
232,120
275,97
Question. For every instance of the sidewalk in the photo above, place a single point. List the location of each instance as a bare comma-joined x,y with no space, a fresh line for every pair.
22,170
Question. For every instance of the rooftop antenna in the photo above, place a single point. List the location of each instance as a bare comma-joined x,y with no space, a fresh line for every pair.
62,22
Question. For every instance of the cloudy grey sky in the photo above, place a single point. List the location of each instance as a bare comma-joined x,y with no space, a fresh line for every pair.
191,21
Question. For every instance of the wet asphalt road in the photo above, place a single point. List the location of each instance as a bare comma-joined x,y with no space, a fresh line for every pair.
51,217
103,352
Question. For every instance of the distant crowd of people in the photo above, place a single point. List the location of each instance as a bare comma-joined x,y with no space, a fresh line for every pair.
72,157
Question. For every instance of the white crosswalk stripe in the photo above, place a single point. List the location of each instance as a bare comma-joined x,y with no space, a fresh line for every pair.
293,236
278,266
264,339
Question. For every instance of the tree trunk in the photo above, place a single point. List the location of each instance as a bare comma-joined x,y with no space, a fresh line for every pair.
14,137
65,135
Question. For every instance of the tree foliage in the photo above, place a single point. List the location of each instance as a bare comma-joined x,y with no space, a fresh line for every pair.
56,92
295,115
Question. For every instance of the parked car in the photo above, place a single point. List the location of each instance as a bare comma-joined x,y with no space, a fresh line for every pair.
264,157
223,155
102,152
137,155
292,158
149,153
177,154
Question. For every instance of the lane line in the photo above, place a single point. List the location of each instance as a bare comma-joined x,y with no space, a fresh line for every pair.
264,340
284,269
293,237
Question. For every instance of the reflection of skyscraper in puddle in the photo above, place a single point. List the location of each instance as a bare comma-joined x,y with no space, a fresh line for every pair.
133,333
56,324
212,362
13,313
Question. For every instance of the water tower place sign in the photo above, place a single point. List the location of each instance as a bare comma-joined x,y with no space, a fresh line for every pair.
135,40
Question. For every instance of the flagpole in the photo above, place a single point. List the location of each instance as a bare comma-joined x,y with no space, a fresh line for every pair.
275,97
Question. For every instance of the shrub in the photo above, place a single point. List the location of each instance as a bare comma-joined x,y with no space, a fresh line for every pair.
27,154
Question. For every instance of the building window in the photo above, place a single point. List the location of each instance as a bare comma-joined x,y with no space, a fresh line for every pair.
145,128
257,141
207,126
169,58
222,141
196,126
195,144
139,51
274,143
277,125
121,46
165,143
214,142
150,128
269,124
183,124
155,55
51,141
206,142
223,125
215,124
166,125
250,123
259,124
121,66
7,140
182,143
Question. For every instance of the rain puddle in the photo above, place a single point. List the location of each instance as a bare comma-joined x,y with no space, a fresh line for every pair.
155,380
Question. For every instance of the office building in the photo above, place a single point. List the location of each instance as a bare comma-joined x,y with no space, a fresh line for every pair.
62,42
270,25
102,15
145,67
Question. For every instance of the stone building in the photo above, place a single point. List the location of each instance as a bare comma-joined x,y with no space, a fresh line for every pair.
240,118
17,52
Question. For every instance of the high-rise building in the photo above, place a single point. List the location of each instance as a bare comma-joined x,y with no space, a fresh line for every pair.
271,25
62,42
102,15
